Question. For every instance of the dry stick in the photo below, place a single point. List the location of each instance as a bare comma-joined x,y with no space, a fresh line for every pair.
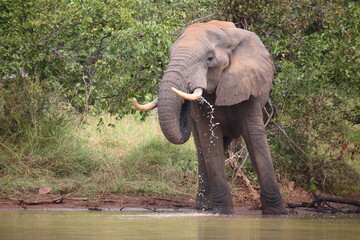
324,201
320,199
269,115
56,200
237,155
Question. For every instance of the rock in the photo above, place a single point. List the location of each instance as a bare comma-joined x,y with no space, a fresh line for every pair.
45,190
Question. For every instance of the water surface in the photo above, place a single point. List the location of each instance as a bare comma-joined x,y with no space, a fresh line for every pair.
40,224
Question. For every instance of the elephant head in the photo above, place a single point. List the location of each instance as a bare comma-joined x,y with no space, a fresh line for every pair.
213,58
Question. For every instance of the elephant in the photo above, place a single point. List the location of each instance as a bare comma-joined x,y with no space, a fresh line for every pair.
230,69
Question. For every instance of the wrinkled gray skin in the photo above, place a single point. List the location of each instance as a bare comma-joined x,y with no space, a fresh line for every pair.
236,72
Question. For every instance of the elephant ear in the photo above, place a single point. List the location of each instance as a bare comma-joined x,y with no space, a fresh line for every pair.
250,72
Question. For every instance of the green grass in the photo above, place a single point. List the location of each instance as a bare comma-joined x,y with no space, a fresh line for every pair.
139,159
128,156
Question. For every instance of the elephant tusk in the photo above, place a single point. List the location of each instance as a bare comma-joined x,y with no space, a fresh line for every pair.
146,107
191,97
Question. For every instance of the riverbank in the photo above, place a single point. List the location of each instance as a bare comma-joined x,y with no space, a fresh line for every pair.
243,202
119,164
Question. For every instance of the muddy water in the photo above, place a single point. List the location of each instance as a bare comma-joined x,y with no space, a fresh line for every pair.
36,224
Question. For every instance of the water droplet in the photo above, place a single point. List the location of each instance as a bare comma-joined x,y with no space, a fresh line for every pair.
210,116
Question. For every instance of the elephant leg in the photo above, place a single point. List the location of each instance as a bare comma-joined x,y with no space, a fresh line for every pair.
210,141
204,196
254,134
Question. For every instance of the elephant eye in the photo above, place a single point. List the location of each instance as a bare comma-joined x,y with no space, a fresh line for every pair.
209,60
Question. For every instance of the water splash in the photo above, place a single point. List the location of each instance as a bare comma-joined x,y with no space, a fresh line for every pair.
211,116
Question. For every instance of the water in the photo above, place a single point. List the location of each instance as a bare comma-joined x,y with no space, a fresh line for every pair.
210,116
40,224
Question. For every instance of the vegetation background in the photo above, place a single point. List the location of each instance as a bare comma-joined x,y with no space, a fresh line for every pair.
69,69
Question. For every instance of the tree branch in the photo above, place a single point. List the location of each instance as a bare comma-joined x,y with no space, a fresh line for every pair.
101,43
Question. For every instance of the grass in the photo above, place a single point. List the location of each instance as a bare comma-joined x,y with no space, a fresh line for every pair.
125,156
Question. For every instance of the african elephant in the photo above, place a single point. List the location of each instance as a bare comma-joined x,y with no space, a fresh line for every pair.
231,69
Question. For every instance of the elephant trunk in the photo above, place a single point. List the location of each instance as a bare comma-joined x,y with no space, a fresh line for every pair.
174,111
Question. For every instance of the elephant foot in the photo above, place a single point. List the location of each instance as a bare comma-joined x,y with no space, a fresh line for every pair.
223,206
280,210
271,203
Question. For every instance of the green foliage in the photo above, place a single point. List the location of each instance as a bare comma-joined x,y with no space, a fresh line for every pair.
99,54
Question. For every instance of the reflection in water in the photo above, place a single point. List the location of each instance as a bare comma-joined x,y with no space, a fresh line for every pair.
142,225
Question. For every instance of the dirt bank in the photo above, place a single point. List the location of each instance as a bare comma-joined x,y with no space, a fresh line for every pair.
244,200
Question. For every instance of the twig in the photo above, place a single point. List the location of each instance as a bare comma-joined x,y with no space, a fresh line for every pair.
236,155
51,201
101,43
269,115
